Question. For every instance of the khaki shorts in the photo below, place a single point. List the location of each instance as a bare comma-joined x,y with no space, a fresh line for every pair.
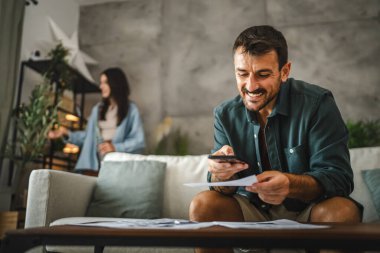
251,213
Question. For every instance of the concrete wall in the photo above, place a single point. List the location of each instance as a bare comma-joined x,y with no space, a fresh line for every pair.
37,34
36,29
178,57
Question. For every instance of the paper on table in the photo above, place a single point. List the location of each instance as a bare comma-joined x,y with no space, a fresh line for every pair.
275,224
137,223
246,181
186,224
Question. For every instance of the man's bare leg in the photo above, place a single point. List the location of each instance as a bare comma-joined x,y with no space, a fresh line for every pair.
337,209
214,206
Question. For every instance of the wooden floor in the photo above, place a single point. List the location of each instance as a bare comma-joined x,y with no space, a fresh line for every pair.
11,220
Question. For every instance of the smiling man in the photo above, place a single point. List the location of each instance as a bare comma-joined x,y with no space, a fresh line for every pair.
287,132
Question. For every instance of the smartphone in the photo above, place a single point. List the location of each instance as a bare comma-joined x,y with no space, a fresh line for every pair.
225,158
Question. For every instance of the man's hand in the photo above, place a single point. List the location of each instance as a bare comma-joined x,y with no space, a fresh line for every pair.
223,171
274,186
106,147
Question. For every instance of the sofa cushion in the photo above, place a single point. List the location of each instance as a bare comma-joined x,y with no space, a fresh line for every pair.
372,180
130,189
364,159
179,170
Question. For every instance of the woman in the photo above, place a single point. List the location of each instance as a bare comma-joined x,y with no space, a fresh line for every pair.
114,124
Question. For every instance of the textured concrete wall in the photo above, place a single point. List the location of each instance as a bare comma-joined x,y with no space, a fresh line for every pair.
178,57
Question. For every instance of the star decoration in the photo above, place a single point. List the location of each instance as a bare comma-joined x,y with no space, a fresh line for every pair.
76,58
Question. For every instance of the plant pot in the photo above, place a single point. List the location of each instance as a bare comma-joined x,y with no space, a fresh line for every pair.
20,186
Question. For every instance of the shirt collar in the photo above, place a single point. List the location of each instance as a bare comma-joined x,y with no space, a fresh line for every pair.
251,116
283,99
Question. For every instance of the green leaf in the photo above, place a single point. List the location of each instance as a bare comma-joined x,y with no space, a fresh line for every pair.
33,121
363,133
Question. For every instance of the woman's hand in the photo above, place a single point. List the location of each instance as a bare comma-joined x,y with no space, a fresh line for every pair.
106,147
57,133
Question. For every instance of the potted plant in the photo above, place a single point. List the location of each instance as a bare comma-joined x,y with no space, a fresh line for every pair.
363,133
32,122
169,141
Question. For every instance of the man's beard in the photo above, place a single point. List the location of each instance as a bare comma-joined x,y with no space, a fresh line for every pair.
259,90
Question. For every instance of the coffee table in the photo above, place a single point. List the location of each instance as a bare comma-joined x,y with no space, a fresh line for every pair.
337,236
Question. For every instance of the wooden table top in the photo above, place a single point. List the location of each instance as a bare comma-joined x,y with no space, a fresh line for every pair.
336,236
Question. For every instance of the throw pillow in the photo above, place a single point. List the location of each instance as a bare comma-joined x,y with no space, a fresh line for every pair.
129,189
372,180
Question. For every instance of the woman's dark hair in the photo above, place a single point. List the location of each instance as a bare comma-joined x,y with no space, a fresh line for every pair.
259,40
120,92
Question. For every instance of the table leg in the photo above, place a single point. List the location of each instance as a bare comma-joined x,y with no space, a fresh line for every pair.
15,245
98,249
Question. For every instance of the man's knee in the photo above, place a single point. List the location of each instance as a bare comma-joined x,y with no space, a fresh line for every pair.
336,209
212,205
204,205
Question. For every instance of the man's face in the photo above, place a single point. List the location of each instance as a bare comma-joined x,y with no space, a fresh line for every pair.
258,79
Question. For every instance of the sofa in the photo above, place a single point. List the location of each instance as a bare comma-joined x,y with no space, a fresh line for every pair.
56,197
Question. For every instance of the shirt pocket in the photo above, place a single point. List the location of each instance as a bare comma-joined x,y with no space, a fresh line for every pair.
296,158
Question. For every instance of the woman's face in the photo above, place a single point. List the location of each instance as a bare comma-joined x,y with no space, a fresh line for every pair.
104,86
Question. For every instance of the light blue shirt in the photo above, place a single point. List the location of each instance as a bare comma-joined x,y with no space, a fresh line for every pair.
129,137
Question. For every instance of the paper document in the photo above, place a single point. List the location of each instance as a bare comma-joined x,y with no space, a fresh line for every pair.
246,181
275,224
186,224
137,223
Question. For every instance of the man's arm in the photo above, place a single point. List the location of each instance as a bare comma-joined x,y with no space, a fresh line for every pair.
329,154
218,172
303,187
274,187
226,190
224,171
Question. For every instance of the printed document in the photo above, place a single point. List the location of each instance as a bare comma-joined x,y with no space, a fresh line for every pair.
246,181
186,224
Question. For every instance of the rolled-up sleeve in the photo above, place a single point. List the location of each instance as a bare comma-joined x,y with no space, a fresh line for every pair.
329,154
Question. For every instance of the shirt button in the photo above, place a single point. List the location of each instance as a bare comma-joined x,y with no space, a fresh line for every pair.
263,206
291,151
258,164
255,136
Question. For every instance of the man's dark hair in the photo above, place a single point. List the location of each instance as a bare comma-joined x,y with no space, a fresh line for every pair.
120,92
259,40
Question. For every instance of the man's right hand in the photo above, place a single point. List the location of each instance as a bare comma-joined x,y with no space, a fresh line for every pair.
223,171
57,133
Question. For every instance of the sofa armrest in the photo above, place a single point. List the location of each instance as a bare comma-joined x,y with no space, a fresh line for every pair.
56,194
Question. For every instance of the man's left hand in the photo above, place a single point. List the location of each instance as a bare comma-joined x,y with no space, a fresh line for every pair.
272,187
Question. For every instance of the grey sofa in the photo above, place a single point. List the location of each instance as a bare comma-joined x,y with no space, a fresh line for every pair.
57,197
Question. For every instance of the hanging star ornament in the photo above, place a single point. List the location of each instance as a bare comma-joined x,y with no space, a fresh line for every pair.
76,58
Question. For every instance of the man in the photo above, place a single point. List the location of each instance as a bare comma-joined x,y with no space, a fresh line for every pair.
287,132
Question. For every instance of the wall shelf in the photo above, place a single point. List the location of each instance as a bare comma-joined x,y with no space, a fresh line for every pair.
79,86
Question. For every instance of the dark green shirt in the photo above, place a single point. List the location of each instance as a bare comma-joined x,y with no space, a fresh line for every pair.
305,134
